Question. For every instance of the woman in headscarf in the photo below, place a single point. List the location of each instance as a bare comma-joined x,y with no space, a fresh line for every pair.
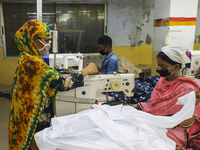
35,85
169,88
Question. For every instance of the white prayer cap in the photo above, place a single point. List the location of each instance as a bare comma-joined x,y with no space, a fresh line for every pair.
176,53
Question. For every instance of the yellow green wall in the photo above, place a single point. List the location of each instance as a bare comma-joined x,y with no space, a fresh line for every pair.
197,46
131,53
140,55
145,55
7,69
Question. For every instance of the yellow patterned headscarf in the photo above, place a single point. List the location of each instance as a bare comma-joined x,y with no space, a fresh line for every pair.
30,86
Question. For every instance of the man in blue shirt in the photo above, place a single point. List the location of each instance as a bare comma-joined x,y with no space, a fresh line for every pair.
111,63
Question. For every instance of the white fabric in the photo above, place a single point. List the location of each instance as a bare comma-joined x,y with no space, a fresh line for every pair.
176,53
113,128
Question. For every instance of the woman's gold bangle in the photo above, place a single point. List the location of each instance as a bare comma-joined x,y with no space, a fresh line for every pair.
186,126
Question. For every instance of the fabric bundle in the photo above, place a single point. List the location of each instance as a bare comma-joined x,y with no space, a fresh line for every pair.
113,127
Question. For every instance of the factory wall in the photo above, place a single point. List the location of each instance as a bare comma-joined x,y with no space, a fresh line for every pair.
197,31
181,25
129,24
7,69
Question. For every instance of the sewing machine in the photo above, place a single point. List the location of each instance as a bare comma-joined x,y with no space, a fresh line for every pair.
64,60
195,62
82,98
192,67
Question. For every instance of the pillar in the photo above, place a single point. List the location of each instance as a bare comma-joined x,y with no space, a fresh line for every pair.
179,18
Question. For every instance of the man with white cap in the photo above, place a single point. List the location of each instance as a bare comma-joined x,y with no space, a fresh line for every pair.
169,88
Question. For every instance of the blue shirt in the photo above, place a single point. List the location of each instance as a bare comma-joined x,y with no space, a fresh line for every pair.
110,64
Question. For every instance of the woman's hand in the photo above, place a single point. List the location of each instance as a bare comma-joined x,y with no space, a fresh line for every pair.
137,107
179,148
90,69
197,97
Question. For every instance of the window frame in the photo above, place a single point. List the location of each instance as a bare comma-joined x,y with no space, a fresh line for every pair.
3,25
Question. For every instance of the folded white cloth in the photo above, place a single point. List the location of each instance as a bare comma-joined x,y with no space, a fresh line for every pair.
113,127
176,53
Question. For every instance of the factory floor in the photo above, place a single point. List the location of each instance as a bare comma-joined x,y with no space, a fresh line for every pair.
4,115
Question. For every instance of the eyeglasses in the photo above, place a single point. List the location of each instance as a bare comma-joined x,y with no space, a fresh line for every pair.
47,40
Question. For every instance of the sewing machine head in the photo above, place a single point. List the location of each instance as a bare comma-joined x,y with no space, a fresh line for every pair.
195,61
194,65
106,83
94,84
63,61
82,98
